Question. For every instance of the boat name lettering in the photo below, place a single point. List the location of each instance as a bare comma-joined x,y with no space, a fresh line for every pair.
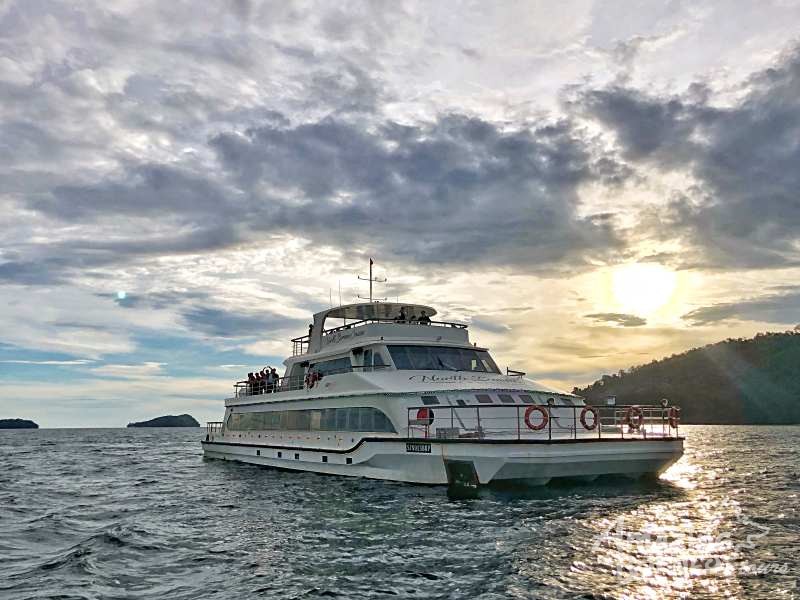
450,378
418,447
338,337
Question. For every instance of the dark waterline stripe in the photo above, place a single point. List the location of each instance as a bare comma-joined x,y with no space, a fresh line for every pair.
439,442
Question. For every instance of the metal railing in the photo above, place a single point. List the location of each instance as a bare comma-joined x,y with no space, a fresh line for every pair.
540,421
300,344
287,384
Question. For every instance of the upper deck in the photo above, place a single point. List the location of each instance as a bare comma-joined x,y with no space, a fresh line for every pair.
385,329
379,320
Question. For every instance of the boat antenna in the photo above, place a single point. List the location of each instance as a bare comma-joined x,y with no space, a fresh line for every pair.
372,280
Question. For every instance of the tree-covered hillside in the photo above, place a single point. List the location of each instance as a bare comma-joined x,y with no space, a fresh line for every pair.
735,381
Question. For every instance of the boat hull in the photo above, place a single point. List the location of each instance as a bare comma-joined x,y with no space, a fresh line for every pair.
480,462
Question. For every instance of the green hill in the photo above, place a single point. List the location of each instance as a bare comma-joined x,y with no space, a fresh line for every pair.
741,381
168,421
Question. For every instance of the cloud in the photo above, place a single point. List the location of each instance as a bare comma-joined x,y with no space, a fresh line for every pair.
743,211
146,369
229,324
776,308
619,318
57,363
457,190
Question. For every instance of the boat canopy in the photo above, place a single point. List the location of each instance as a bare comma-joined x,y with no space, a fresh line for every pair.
374,310
362,312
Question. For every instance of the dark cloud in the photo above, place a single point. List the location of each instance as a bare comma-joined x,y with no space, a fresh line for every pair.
143,190
458,190
227,324
622,319
745,209
776,308
491,326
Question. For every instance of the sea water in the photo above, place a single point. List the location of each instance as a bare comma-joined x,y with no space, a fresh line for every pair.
138,513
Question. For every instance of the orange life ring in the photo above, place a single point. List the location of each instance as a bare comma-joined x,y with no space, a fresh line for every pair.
634,417
529,412
425,416
674,416
595,420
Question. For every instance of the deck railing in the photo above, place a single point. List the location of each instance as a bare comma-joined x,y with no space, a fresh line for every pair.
300,344
288,384
541,421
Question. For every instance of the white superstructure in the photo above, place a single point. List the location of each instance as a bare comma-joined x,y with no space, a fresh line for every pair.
386,395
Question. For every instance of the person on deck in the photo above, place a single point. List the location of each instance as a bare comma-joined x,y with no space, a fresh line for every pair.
424,319
401,318
273,375
252,384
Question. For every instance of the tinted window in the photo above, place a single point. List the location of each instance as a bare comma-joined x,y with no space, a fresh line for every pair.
329,367
484,398
421,358
430,400
352,419
400,357
506,398
341,419
365,419
526,398
329,419
442,359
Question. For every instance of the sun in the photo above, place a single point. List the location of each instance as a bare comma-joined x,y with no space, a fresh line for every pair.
643,288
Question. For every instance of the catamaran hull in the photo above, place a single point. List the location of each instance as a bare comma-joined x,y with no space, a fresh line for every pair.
460,461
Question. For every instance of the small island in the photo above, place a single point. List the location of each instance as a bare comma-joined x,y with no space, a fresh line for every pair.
168,421
17,424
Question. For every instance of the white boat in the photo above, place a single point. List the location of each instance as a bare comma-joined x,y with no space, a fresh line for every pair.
385,396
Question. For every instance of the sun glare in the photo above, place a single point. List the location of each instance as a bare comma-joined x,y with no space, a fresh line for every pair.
643,288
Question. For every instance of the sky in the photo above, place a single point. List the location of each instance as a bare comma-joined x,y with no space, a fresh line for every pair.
589,185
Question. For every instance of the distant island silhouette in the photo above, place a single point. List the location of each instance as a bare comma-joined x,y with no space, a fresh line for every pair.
17,424
168,421
740,381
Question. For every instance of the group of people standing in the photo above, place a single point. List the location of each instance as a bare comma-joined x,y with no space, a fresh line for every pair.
423,318
264,381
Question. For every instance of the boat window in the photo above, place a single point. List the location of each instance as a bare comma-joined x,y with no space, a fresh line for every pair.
484,398
430,400
341,419
526,398
436,358
422,358
378,360
316,420
365,419
367,359
329,367
352,419
328,419
506,398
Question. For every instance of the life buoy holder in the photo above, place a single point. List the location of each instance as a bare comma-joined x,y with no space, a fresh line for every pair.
674,416
595,418
538,426
634,417
425,416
